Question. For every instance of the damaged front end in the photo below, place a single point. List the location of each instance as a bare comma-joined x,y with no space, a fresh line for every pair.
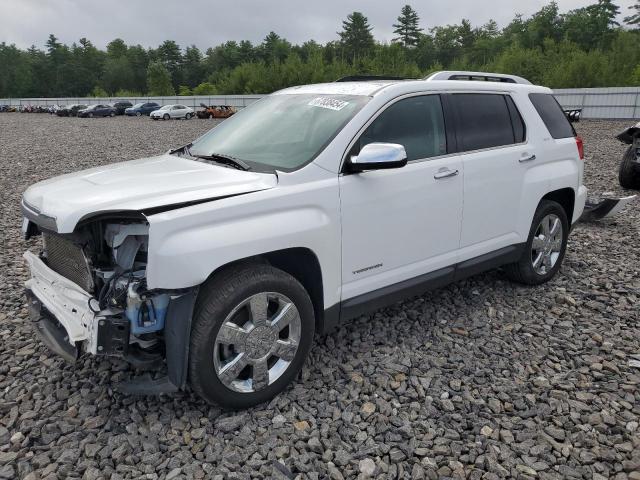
88,294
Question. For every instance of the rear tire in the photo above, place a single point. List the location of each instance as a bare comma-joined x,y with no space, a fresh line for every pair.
540,261
256,355
629,173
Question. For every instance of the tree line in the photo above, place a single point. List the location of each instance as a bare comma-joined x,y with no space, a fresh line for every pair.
585,47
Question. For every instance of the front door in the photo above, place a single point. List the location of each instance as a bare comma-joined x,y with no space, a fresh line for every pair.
402,223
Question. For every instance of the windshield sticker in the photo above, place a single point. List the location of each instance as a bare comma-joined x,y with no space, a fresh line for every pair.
330,103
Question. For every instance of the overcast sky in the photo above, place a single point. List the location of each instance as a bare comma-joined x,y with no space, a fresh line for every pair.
208,23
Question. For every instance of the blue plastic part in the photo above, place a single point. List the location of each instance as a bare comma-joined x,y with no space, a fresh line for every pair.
151,319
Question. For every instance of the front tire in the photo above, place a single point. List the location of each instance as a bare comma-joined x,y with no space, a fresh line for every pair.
138,114
545,247
253,328
629,173
165,116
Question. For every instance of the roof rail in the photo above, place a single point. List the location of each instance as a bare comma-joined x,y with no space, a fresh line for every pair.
477,76
368,78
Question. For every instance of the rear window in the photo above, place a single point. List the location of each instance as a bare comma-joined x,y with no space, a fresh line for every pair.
484,121
552,115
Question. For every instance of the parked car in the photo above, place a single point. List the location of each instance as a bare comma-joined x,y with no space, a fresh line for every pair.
314,205
70,110
172,111
141,109
121,107
97,111
215,111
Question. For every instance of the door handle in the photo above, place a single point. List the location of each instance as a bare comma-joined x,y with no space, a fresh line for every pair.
445,174
527,159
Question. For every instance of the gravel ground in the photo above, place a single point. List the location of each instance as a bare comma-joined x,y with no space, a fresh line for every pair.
482,379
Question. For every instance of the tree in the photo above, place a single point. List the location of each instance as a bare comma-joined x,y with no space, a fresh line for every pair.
171,57
355,37
205,88
192,66
159,80
407,27
634,18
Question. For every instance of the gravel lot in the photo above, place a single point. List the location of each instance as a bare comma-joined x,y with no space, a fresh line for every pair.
482,379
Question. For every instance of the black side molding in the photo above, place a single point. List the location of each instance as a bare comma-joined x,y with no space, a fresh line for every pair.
372,301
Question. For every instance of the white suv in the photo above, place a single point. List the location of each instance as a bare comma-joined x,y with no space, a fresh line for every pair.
314,205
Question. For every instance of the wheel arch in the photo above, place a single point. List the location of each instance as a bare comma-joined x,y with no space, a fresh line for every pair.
299,262
566,197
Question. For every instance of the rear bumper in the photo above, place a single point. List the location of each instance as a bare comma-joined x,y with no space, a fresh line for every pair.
580,201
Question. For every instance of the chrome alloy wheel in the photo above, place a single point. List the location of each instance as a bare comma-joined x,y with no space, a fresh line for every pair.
257,342
547,244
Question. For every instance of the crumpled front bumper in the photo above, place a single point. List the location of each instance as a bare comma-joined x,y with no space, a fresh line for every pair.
63,300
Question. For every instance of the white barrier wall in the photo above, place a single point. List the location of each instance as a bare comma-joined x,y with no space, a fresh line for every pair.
614,102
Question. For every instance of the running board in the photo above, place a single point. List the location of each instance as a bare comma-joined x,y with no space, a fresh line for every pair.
605,208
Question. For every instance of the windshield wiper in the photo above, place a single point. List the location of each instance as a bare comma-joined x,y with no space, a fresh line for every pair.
183,149
225,160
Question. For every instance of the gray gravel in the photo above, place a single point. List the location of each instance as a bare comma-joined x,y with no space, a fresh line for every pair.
482,379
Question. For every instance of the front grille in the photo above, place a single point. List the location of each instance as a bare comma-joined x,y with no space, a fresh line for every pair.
67,259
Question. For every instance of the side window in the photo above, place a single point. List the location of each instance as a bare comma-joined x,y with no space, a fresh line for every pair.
552,115
417,123
483,120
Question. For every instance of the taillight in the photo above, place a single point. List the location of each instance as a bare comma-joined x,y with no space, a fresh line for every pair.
580,145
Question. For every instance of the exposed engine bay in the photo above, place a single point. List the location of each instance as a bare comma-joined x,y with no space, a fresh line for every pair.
108,261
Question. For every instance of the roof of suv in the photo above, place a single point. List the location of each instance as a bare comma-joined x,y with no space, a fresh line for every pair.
375,87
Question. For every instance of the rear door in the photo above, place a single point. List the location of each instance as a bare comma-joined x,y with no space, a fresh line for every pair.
402,223
491,138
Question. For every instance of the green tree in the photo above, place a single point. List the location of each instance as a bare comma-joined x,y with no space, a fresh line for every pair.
159,80
356,38
99,92
634,18
192,66
171,57
205,88
407,29
184,91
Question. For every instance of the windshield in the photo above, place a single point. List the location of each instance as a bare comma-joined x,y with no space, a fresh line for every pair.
137,105
281,131
166,107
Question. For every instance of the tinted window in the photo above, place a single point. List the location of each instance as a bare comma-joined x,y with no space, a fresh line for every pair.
552,115
483,120
417,123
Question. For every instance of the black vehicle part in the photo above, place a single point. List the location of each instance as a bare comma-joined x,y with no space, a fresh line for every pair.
370,78
627,135
113,335
597,210
177,333
573,114
629,171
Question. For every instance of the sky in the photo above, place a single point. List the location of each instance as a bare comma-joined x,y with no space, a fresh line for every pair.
207,23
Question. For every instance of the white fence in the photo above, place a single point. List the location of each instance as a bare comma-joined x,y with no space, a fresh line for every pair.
615,102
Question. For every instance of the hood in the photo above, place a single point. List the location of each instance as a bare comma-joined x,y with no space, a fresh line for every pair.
136,185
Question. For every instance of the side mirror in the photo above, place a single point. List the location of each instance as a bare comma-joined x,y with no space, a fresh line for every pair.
378,156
